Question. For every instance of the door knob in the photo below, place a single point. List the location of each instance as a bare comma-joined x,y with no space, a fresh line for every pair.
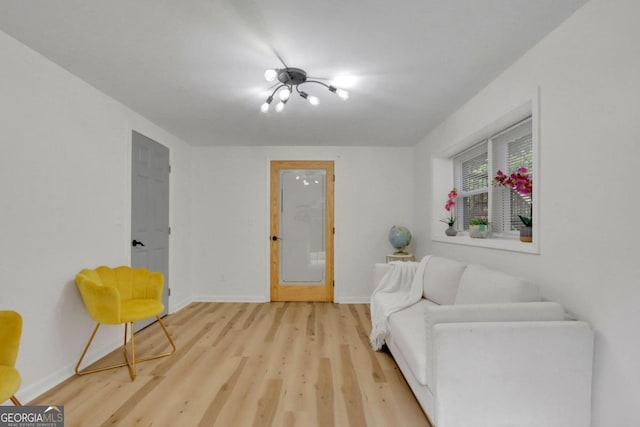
136,243
274,238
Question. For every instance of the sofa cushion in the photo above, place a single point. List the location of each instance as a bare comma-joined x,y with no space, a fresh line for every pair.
407,328
480,285
441,278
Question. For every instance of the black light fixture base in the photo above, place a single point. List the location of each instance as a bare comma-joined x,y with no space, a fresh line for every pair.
292,76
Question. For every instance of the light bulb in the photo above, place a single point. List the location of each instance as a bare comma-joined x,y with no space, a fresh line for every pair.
279,106
270,75
342,94
265,107
312,99
284,94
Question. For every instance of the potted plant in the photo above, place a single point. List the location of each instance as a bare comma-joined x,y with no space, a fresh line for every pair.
521,183
479,228
451,219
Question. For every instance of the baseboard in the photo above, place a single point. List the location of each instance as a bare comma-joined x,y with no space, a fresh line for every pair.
353,300
30,392
240,299
231,298
27,394
175,307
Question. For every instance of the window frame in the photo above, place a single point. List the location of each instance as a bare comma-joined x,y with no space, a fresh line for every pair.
443,180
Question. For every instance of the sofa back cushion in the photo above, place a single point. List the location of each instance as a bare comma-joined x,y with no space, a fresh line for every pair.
441,278
480,285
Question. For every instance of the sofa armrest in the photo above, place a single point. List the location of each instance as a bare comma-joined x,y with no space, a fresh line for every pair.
500,312
512,373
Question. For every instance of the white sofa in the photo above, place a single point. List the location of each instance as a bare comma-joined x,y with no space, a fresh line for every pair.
480,349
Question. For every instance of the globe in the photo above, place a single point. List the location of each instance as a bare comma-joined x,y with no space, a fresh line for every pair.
399,237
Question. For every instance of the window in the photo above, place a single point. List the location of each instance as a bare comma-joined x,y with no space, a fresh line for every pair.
474,170
471,169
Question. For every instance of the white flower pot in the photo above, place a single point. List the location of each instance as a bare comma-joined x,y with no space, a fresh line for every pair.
480,231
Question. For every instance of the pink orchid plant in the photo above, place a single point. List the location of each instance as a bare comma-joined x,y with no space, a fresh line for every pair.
451,202
521,182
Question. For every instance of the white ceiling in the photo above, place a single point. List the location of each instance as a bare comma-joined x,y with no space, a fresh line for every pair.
195,67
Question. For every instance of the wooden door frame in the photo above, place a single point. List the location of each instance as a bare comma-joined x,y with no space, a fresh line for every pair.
301,292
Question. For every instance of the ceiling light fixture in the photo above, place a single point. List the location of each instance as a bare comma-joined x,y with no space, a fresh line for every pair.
290,77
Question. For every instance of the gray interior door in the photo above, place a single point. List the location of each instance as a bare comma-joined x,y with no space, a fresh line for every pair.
150,210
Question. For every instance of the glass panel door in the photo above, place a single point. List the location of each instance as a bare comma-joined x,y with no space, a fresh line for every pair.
302,230
302,226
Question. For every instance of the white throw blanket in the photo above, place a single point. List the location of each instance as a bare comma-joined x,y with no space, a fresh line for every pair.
399,288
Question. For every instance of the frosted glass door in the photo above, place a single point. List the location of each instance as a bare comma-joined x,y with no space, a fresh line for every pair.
302,227
301,230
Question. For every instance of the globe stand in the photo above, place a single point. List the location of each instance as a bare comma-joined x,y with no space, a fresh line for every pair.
401,251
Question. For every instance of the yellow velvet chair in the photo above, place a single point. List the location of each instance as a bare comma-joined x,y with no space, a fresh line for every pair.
10,331
122,295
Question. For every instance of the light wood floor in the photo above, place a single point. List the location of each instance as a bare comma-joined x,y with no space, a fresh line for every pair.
279,364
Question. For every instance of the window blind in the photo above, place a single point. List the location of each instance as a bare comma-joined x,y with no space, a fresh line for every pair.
514,146
473,184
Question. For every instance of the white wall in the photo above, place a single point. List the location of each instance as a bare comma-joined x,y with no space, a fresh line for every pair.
587,73
65,204
373,191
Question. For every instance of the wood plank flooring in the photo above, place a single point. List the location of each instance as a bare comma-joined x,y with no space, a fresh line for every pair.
237,364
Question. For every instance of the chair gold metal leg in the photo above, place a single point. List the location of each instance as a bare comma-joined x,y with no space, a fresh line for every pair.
173,345
84,352
166,333
131,361
125,352
15,401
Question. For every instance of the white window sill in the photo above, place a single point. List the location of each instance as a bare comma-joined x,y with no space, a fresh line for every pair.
505,243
